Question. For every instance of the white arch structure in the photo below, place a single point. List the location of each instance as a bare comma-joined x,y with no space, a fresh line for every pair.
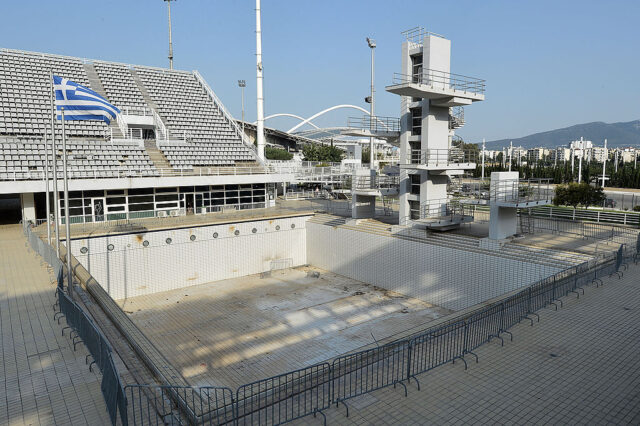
284,114
307,120
304,121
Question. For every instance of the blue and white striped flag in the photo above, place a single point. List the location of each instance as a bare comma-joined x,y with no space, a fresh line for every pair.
81,103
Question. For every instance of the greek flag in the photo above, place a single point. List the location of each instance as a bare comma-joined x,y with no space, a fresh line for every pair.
81,103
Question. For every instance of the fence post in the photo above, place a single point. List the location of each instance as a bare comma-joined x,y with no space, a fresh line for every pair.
598,220
409,358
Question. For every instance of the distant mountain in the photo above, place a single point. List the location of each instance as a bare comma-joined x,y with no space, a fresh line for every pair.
617,134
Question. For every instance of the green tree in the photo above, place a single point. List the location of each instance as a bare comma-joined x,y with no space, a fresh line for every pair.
277,153
325,153
574,194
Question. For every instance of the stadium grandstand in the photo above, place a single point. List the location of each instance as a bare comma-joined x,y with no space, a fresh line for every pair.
173,150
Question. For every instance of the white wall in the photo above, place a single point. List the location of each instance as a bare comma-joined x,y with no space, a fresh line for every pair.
451,278
28,206
132,269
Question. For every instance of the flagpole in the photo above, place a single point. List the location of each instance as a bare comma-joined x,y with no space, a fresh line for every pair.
46,186
66,209
56,194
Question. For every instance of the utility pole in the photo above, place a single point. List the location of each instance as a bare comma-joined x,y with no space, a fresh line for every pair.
510,154
604,163
580,166
260,96
572,162
170,40
372,46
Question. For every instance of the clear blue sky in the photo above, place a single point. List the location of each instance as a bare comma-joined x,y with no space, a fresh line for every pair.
548,64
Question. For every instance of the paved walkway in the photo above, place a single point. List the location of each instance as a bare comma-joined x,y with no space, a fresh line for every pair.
43,381
579,365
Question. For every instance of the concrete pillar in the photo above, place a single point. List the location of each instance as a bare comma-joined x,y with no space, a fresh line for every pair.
363,206
503,222
28,207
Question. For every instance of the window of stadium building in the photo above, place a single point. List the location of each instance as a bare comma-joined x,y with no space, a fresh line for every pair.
98,206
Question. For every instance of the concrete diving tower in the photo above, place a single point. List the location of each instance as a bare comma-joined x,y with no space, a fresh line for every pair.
430,114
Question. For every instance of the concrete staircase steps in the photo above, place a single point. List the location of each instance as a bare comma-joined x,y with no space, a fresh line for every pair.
145,94
156,156
96,85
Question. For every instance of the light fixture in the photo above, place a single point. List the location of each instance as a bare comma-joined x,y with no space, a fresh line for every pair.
371,42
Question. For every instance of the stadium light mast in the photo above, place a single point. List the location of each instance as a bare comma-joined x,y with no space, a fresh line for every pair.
170,41
372,46
242,84
259,95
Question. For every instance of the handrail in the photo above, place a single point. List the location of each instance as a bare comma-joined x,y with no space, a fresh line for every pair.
157,121
143,173
443,80
121,125
375,123
521,190
417,34
136,110
442,157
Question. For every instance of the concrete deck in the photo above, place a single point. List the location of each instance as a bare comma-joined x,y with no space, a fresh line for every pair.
239,330
578,365
44,382
124,226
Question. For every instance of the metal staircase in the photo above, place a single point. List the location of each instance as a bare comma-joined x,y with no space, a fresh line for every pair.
456,117
96,86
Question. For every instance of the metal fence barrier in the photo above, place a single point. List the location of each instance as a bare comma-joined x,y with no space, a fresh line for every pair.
309,391
363,372
85,331
285,397
89,334
161,405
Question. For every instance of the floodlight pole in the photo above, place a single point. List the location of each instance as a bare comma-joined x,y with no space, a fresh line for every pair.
242,85
170,41
510,154
372,46
259,95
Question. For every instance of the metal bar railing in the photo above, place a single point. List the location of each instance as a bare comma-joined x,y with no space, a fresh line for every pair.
375,123
443,80
521,190
96,173
443,157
